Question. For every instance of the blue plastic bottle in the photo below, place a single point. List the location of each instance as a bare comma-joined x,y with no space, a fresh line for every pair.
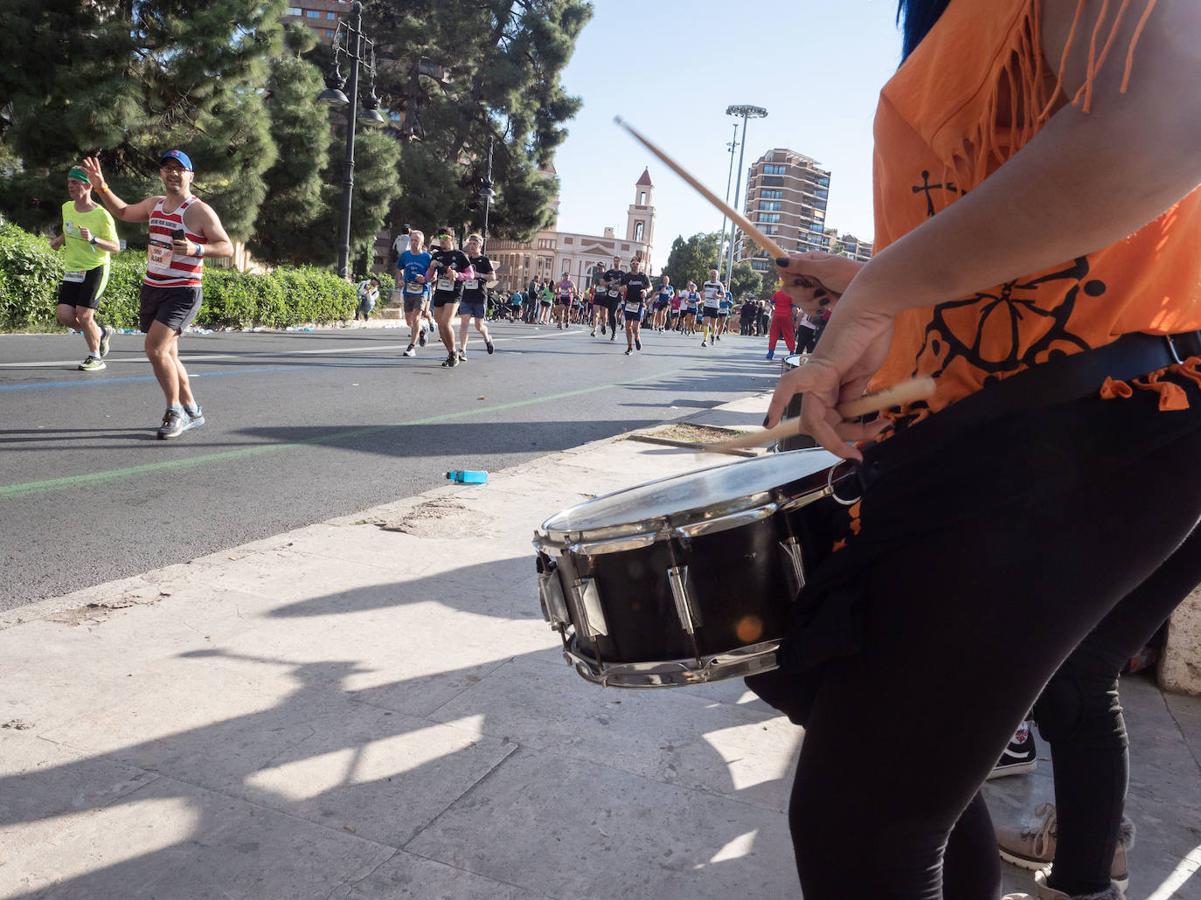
468,476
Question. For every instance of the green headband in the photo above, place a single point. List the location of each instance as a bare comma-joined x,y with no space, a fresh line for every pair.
79,175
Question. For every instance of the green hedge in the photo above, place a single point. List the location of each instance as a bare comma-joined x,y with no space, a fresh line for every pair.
30,273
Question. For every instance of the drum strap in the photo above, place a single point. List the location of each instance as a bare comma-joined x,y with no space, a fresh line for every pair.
1062,380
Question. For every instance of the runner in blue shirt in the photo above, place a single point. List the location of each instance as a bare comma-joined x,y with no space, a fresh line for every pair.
411,268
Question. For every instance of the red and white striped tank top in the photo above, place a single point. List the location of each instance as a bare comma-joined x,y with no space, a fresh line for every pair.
163,267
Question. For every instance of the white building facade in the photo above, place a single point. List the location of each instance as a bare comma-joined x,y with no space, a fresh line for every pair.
553,252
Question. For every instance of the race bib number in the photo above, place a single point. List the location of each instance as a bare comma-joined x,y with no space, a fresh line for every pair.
471,284
160,254
74,277
414,288
633,308
446,284
614,292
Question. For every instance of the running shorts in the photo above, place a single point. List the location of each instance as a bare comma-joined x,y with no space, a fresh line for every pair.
175,307
83,288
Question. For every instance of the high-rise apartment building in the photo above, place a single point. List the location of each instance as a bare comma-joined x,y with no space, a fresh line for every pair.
320,15
786,198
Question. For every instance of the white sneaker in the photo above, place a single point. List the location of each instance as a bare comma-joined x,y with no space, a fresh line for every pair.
412,351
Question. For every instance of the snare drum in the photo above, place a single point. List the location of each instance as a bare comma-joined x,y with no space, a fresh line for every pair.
691,578
800,441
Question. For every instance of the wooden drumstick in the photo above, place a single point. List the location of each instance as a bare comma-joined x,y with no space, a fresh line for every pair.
898,395
773,249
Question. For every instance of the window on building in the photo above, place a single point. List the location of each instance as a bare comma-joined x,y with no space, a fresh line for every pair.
824,181
768,217
642,198
293,11
625,246
568,240
638,230
771,229
312,14
771,195
770,205
773,181
331,15
329,33
772,169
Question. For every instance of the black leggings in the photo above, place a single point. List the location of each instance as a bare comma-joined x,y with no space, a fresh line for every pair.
1080,714
985,568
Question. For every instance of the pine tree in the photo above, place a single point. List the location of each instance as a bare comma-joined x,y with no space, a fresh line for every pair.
131,78
299,124
501,60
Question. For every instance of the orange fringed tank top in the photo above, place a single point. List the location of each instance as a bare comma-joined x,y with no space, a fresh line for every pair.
973,93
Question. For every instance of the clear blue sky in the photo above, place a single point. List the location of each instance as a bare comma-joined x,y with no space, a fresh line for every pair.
671,67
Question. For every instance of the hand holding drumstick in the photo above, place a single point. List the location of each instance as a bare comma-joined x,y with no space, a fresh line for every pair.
853,346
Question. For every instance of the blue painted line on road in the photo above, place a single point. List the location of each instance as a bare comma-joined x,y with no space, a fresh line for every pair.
88,382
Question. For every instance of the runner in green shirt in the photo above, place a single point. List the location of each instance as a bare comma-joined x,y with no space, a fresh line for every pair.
88,240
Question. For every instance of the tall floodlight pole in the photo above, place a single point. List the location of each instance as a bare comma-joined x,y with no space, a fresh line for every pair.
732,146
747,112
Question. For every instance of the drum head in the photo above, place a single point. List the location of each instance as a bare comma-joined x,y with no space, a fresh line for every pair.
694,496
794,361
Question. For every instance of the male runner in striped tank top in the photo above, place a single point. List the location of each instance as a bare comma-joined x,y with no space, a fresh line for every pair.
183,231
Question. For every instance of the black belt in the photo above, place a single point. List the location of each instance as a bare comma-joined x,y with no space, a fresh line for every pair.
1062,380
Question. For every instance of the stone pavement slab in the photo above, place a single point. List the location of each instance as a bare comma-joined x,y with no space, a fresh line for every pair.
373,707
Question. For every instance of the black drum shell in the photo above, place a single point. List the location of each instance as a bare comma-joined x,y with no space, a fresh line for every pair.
741,582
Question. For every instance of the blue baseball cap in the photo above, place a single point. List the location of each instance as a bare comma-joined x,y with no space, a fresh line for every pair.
179,156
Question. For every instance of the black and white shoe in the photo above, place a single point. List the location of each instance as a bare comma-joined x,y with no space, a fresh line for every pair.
629,350
1020,757
420,337
411,351
637,344
491,349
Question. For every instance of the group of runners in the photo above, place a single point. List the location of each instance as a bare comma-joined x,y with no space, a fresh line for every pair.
623,301
182,232
444,282
439,286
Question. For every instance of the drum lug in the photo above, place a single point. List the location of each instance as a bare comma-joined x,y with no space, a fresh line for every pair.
796,559
690,616
550,592
588,603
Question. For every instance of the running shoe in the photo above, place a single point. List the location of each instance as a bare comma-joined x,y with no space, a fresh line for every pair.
770,354
106,336
629,350
491,349
704,344
92,364
613,336
174,424
195,419
453,360
594,332
462,355
637,344
412,351
420,338
602,331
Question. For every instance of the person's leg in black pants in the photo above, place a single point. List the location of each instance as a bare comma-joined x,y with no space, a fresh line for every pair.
871,815
1081,717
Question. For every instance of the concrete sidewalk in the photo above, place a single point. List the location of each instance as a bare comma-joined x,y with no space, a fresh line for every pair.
373,707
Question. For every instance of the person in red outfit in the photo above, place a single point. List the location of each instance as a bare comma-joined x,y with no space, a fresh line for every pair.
781,323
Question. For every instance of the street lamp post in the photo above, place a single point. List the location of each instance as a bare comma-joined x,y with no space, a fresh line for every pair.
747,112
351,35
732,146
487,191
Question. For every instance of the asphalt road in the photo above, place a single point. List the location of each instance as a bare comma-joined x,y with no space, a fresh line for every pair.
301,427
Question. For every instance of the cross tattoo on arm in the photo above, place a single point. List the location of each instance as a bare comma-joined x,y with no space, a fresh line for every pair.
928,189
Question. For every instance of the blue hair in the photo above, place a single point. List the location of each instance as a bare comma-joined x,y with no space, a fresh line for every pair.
916,18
